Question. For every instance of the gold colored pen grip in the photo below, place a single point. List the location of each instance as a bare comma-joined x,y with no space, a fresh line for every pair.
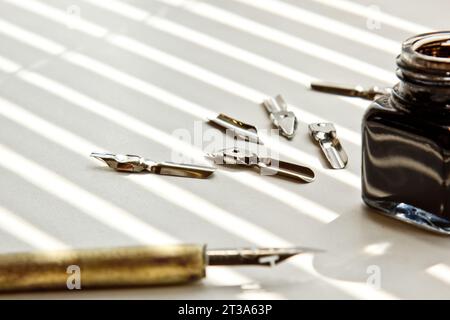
119,267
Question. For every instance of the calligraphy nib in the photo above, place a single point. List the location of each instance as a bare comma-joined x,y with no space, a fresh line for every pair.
122,162
257,257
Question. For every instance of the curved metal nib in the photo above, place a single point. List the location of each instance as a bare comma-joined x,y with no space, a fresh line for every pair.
122,162
260,257
238,128
133,163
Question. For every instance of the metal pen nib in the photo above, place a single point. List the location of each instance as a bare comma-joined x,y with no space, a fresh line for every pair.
267,166
240,129
257,257
282,118
350,91
133,163
325,135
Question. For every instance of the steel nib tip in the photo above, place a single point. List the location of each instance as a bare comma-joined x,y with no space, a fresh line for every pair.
101,155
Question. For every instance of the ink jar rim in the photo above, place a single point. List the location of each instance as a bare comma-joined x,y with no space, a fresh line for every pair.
416,66
424,73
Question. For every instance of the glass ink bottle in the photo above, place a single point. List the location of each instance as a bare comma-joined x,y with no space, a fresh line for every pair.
406,138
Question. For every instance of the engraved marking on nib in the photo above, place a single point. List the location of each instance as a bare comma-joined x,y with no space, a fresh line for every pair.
271,260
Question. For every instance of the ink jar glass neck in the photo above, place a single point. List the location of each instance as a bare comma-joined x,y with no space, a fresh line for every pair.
424,73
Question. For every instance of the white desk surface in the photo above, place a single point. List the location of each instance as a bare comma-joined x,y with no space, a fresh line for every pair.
53,194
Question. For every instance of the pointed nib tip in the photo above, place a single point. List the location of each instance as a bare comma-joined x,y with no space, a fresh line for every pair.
292,251
96,155
288,133
102,156
258,256
285,253
275,256
316,85
99,155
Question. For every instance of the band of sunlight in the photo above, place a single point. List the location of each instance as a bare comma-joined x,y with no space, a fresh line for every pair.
377,249
235,21
239,54
52,47
222,47
326,24
122,8
95,207
368,12
440,272
191,108
32,39
198,111
65,190
54,14
235,52
86,202
26,232
316,211
297,202
344,133
213,79
8,66
238,22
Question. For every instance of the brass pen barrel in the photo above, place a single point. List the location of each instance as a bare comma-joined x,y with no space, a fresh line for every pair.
100,268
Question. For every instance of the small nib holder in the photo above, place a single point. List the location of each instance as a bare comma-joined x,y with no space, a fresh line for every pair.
325,135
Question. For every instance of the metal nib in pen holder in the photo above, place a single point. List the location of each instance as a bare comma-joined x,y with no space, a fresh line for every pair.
325,135
139,266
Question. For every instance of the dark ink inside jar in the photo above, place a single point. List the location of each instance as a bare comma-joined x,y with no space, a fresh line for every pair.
406,138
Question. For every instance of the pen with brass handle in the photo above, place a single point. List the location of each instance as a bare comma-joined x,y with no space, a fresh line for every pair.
127,266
